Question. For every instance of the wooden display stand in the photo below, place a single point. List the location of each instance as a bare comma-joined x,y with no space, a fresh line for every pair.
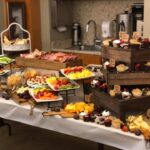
43,64
117,105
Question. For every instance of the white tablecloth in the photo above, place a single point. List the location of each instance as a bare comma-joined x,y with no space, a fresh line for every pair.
91,131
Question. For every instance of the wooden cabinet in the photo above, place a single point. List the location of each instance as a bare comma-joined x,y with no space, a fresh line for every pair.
90,58
32,19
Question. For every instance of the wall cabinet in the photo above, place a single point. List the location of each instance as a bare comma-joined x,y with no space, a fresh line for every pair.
90,58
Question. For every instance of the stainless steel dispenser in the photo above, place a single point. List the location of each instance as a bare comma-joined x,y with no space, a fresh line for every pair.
124,22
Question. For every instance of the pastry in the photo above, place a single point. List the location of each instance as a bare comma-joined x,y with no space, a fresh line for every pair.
81,115
116,122
14,80
105,113
106,64
135,42
126,95
121,68
106,42
147,64
112,93
30,73
137,92
116,43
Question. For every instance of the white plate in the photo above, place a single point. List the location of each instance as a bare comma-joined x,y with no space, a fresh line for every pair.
34,85
45,100
73,88
4,72
62,71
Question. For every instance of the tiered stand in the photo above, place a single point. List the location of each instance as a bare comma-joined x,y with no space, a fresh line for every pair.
118,105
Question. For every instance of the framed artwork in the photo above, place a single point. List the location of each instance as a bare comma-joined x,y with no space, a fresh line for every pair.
16,13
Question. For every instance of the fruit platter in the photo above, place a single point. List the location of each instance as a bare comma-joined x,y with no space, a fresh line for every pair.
37,81
23,93
61,83
44,95
5,60
3,71
76,73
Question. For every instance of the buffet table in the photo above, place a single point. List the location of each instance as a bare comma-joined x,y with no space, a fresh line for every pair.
90,131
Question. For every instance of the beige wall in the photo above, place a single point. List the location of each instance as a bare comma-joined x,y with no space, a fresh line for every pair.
45,24
98,10
147,18
1,15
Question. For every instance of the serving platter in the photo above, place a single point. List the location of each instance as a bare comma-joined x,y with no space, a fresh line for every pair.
37,81
61,86
78,78
38,100
4,72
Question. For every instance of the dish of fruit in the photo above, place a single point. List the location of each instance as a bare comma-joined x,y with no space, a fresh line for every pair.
38,80
61,83
78,72
3,71
5,60
23,92
44,95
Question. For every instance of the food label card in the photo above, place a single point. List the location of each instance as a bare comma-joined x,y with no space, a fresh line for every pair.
123,36
112,62
117,89
136,35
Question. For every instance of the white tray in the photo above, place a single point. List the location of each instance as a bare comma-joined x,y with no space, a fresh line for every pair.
5,72
30,84
73,88
62,71
45,100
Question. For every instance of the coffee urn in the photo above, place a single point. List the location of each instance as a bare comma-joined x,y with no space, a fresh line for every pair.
76,34
124,23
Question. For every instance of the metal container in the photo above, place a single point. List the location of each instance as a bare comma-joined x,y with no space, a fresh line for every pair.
124,22
76,34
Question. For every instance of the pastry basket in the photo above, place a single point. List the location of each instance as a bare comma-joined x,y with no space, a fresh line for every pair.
15,47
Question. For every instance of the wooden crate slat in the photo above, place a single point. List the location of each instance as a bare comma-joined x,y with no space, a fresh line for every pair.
43,64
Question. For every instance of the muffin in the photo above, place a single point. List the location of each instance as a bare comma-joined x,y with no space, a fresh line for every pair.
121,68
147,67
126,95
137,92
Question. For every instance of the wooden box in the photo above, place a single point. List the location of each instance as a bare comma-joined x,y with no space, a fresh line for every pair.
129,56
43,64
137,78
119,106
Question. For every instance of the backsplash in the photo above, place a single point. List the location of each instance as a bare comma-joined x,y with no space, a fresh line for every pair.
98,10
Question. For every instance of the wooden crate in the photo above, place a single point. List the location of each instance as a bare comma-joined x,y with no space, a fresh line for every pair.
43,64
137,78
129,56
119,106
117,54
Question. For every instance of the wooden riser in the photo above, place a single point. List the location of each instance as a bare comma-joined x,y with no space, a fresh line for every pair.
121,107
43,64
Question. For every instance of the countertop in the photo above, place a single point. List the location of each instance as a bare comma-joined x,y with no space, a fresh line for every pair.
72,50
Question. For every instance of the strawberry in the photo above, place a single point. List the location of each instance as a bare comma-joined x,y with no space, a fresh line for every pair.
124,128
